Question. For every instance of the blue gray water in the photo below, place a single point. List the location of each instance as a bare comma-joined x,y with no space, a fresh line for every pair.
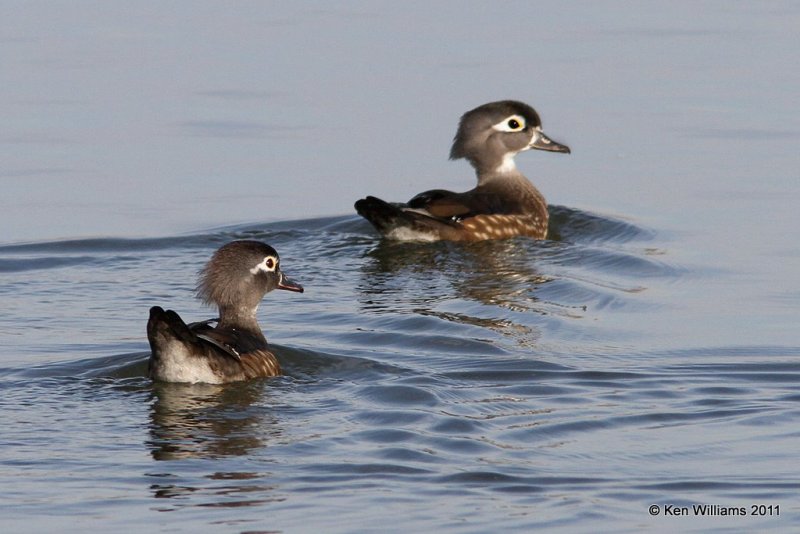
647,354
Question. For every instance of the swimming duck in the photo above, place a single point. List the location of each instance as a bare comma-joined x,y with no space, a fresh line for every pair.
504,203
235,279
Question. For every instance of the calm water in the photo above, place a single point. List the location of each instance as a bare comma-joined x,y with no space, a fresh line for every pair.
647,354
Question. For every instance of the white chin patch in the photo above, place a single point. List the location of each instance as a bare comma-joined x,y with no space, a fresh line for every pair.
507,165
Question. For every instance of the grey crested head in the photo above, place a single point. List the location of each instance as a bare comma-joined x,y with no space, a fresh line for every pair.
240,273
490,135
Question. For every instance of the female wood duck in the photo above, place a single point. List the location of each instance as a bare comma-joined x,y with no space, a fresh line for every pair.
236,278
504,203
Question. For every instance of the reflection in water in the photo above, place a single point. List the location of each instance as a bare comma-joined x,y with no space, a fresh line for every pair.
422,278
498,273
211,421
205,420
219,490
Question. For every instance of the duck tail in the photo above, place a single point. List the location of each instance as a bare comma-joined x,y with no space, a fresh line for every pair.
165,325
382,215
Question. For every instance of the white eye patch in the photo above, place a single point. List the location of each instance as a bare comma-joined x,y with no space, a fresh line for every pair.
267,265
514,123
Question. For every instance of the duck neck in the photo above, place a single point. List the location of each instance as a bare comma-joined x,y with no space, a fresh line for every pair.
239,317
519,193
500,175
494,164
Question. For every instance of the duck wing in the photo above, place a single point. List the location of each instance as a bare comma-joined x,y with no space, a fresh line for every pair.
443,204
232,342
401,222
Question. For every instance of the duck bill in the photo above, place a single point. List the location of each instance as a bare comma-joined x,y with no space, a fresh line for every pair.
542,142
289,285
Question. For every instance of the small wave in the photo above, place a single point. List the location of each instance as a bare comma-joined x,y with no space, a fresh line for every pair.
129,365
297,363
570,224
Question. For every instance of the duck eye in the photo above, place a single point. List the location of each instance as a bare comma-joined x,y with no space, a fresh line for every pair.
512,123
268,265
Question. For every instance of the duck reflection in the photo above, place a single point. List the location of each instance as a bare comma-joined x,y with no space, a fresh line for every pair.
216,490
421,279
498,272
207,421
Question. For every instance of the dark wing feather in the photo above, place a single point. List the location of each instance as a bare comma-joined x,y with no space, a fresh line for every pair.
441,203
227,349
199,324
458,206
232,342
386,217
